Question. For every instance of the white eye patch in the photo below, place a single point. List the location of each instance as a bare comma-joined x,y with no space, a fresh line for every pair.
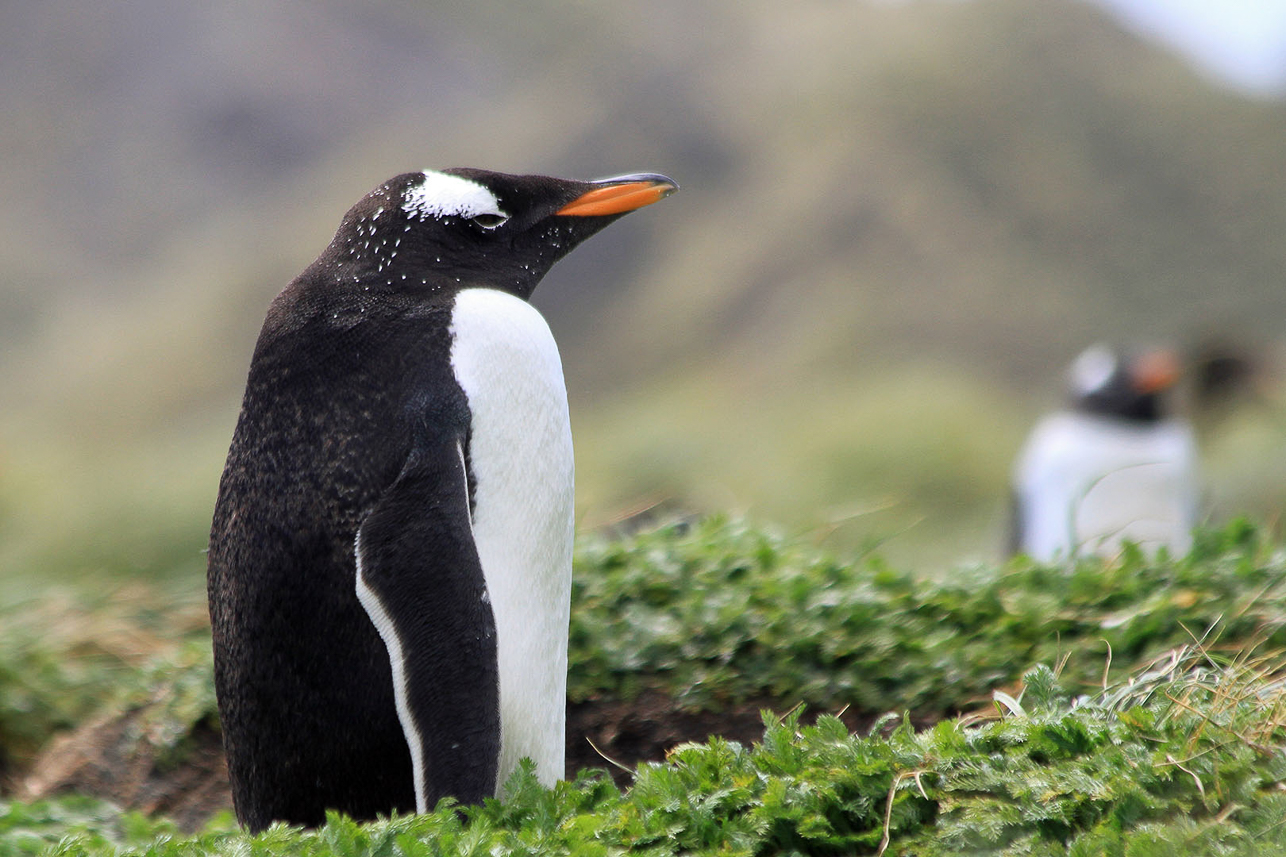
1093,369
443,195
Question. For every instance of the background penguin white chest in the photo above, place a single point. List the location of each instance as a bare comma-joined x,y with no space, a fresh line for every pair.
1088,483
520,451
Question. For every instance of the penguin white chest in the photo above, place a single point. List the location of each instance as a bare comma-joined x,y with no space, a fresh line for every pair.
520,453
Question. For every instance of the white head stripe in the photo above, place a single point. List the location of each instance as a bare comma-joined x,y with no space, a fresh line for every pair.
443,195
1092,369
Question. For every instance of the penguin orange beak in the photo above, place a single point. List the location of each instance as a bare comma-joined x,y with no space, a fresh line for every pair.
1155,372
620,195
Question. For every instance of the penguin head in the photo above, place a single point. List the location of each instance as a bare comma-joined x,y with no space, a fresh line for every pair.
1129,386
443,230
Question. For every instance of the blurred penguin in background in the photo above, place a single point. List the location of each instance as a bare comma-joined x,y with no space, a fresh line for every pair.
1224,377
1115,465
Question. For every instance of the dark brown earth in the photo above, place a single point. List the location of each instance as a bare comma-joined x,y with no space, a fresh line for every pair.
643,729
113,756
116,756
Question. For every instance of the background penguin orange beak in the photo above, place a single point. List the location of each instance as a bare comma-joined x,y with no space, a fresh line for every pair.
620,195
1155,372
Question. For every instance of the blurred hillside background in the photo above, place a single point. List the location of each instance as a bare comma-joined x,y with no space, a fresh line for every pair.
899,221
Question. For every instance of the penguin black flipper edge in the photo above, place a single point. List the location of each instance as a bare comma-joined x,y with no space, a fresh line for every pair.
435,620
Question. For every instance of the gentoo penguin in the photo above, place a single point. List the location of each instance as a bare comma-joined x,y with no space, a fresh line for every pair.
1114,466
390,556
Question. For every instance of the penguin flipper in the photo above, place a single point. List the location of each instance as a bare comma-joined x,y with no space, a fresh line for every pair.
420,579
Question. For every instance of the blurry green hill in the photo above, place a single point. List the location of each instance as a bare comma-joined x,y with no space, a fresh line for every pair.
897,224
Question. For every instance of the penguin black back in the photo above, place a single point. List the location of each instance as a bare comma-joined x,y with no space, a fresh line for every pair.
358,661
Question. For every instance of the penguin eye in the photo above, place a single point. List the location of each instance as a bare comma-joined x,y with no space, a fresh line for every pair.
489,220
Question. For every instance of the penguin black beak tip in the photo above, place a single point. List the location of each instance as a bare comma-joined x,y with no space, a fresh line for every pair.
620,194
656,179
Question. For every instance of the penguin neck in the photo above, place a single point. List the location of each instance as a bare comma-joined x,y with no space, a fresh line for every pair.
394,259
1134,409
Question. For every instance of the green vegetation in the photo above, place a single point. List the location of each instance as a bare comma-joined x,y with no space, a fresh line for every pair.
63,658
1195,770
720,611
1179,746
